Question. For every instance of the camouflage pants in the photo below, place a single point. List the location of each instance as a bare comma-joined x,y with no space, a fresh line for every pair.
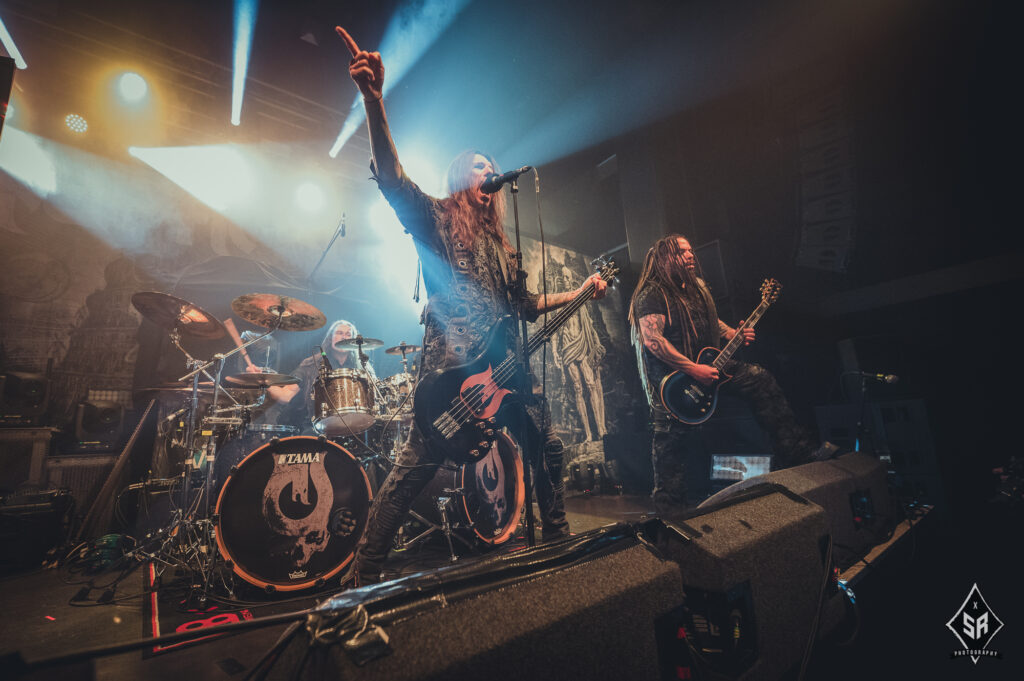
682,464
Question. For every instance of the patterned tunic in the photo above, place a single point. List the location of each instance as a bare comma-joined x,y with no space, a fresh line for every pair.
470,286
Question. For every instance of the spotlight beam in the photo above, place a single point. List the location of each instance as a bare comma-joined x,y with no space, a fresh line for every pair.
12,49
414,27
245,23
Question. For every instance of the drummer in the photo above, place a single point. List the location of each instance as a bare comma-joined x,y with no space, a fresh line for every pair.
336,356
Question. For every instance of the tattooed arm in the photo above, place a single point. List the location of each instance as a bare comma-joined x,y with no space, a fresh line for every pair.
652,331
553,301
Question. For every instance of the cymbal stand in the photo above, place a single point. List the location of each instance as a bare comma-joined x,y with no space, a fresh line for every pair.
195,528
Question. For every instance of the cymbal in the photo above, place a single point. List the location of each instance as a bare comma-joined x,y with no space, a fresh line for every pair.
265,309
261,380
174,314
367,343
403,349
204,387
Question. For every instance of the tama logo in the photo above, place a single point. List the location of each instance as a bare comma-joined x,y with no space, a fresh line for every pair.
299,457
298,574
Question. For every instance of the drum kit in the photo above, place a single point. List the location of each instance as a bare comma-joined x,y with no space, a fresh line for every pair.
288,514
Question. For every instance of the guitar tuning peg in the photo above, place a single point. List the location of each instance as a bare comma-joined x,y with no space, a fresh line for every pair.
484,445
474,453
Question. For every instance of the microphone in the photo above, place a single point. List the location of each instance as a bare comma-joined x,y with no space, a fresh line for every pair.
171,417
881,378
326,361
494,182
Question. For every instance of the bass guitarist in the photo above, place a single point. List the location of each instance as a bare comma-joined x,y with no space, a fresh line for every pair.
468,269
672,318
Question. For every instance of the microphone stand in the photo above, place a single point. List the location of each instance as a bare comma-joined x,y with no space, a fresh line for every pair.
340,231
530,454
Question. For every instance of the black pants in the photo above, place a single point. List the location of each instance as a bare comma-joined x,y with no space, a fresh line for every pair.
682,466
415,468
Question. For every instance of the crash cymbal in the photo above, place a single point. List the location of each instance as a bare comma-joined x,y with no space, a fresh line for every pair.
261,380
266,309
175,314
403,349
366,343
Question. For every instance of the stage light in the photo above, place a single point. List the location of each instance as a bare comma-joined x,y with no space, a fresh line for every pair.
12,49
24,157
132,87
411,31
76,123
309,197
219,176
245,22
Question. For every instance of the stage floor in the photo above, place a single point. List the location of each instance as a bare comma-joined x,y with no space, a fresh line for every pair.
39,619
905,596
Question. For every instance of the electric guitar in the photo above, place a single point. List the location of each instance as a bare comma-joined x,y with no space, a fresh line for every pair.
457,409
690,401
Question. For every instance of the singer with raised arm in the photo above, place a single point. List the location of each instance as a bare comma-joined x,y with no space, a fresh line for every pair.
470,274
673,317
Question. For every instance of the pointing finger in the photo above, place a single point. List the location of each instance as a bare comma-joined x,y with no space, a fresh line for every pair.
349,43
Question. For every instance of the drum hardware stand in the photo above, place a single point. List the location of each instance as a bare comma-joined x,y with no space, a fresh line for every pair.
444,505
199,546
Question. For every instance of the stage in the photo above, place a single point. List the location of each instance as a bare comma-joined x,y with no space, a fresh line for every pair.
903,587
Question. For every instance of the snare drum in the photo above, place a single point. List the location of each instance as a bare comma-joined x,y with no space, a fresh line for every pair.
268,431
291,513
343,403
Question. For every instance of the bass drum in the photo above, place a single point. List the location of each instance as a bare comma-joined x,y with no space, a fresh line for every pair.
290,514
493,497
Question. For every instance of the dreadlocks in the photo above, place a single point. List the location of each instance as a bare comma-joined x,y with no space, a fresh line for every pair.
663,268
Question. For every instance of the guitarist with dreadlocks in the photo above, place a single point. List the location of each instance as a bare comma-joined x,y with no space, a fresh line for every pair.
673,317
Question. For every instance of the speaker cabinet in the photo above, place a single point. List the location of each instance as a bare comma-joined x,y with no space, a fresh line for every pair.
753,568
549,614
854,493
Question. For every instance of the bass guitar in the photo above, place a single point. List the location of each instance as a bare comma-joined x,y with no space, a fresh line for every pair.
457,408
692,402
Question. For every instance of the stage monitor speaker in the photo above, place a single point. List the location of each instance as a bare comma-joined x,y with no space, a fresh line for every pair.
98,424
852,489
755,572
23,397
542,613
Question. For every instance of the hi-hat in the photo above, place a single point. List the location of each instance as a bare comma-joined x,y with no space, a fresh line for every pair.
261,380
403,349
366,343
175,314
272,311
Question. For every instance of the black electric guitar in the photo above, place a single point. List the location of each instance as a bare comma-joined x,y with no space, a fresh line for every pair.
457,408
692,402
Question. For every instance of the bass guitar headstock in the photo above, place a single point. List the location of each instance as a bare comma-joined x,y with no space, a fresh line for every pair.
606,268
770,291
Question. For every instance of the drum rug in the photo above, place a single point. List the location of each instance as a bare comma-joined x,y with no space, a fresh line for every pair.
170,605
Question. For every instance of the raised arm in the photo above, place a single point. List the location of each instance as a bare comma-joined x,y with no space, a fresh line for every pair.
652,332
367,71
